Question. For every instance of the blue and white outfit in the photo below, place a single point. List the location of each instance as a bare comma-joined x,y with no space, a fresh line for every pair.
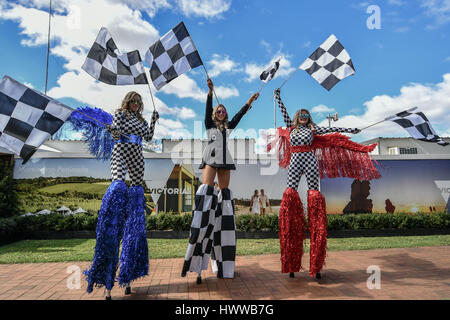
122,215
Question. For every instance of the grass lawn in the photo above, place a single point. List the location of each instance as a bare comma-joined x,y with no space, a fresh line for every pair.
98,187
37,251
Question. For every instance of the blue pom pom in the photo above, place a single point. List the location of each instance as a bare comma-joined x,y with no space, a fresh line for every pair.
100,141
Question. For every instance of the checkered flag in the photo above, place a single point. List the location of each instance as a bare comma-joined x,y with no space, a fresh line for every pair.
171,56
417,125
27,118
329,64
107,64
269,73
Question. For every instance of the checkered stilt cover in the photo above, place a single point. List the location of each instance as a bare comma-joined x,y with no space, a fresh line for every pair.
202,226
329,64
27,118
171,56
418,126
224,247
107,64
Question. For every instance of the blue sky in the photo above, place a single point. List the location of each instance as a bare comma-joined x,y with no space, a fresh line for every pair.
406,63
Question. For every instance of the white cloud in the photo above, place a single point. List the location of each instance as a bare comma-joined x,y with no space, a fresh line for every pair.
204,8
432,100
396,2
439,10
221,64
322,109
254,70
149,6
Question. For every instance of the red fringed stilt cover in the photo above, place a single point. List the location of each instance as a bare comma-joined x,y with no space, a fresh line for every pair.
336,154
317,226
291,221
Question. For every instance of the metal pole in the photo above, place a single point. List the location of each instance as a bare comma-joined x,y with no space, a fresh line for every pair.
48,45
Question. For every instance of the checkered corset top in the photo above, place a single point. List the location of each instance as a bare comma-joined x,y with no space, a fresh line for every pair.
132,125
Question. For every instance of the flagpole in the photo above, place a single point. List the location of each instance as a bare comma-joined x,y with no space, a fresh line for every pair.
274,114
98,121
388,118
48,45
204,68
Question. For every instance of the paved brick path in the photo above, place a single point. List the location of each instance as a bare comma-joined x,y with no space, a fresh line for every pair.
413,273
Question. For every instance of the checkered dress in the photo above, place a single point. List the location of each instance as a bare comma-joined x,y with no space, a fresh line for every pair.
304,162
129,156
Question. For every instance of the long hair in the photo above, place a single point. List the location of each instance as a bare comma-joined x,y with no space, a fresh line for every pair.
296,119
220,124
125,105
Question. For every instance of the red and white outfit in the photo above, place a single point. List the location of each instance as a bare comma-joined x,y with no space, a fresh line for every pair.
304,151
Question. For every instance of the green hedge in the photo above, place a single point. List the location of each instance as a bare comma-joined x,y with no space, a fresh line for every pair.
245,222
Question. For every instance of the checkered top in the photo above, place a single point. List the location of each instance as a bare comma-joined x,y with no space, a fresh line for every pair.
107,64
171,56
27,118
329,64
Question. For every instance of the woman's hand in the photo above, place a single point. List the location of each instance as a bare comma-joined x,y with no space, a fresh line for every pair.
252,99
155,115
210,85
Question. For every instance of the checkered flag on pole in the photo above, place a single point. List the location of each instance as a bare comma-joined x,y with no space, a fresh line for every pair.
171,56
329,64
269,73
417,125
27,118
107,64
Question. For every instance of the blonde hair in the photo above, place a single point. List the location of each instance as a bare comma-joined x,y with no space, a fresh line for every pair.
126,108
295,121
220,124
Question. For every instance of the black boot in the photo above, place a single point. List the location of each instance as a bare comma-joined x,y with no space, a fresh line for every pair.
318,275
199,279
128,290
291,275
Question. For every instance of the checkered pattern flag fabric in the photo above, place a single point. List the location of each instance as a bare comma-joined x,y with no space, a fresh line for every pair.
418,126
107,64
269,73
329,64
171,56
224,245
27,118
202,226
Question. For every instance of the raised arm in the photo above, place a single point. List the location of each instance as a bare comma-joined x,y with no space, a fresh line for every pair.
284,112
238,116
209,123
151,129
322,130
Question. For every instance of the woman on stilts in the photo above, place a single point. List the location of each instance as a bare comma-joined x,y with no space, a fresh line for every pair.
342,157
122,215
213,224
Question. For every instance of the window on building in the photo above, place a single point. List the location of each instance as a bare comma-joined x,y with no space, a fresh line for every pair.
393,150
408,150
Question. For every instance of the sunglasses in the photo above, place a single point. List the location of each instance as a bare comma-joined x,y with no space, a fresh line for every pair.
304,116
136,102
221,112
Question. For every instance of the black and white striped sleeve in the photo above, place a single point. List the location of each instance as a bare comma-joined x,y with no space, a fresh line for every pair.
284,112
322,130
150,130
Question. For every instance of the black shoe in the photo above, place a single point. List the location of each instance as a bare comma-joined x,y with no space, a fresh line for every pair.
318,275
199,280
127,290
291,275
108,298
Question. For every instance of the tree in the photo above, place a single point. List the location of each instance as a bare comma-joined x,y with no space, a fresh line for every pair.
9,202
